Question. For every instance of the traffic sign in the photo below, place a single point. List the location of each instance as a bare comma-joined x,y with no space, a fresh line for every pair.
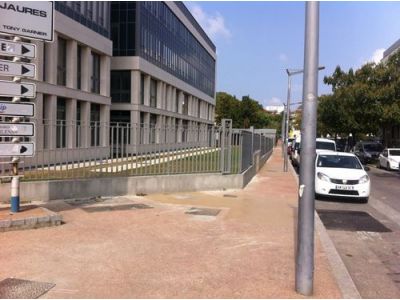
9,48
21,149
10,68
8,108
12,89
31,19
17,129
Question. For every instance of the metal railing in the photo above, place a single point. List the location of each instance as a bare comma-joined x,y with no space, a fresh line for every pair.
77,150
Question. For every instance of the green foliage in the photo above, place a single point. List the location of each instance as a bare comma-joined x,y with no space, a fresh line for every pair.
362,101
244,113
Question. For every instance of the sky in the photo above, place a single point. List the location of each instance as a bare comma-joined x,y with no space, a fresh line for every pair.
257,41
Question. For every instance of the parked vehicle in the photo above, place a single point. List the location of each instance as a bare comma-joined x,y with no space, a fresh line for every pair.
321,145
295,155
367,151
339,174
289,147
389,159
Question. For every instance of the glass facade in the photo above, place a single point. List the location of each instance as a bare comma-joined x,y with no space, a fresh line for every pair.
121,86
95,78
163,40
92,14
61,61
61,125
167,43
153,93
94,124
123,19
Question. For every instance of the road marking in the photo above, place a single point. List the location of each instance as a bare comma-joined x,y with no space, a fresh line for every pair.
386,210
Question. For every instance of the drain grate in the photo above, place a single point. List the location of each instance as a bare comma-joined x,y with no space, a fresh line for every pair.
203,211
230,196
348,220
14,288
116,207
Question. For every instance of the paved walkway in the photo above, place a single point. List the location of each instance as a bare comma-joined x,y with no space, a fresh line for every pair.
246,251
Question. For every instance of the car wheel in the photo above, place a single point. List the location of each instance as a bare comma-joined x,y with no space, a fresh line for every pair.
378,165
388,167
364,200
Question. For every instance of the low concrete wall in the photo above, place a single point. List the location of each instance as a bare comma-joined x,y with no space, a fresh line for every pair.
118,186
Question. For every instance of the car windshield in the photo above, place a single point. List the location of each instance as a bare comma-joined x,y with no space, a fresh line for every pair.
325,146
373,147
394,152
338,161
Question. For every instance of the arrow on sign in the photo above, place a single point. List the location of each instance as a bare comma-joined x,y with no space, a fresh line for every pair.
13,89
24,49
23,90
23,149
24,70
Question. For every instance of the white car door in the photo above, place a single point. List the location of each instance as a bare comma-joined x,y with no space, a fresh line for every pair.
383,158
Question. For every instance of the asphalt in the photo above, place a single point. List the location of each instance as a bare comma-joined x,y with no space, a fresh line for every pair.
153,247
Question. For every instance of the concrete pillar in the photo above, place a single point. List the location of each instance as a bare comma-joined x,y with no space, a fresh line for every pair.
85,124
105,65
146,130
71,123
51,61
135,92
135,127
39,121
147,90
104,125
72,60
179,131
38,60
50,117
181,97
173,98
160,94
86,68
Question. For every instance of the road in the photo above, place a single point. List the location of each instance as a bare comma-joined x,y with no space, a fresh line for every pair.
367,236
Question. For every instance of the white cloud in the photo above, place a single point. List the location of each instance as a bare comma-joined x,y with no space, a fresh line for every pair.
283,57
376,56
213,25
274,101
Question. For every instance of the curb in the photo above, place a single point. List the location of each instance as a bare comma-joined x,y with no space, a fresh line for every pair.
339,270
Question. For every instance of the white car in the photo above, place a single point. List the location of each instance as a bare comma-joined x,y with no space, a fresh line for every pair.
389,159
339,174
321,144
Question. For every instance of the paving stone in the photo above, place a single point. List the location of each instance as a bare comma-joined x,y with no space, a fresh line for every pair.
5,223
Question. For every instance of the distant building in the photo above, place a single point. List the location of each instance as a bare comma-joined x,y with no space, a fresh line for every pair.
275,109
391,50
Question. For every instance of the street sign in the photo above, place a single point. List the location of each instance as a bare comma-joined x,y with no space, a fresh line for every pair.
21,149
31,19
12,89
8,108
17,129
9,48
10,68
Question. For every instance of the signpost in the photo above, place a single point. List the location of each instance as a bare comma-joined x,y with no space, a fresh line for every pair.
12,89
30,19
9,48
21,149
17,129
17,109
10,68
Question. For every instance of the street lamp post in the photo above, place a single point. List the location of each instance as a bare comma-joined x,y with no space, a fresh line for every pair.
283,130
290,72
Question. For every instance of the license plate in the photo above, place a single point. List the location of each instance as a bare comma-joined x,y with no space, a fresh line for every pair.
345,187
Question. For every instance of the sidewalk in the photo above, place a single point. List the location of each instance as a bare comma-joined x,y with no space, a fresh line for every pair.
246,251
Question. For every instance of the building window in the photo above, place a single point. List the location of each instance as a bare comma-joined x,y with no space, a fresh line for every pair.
61,125
142,89
95,73
153,123
79,67
120,116
61,61
94,124
198,108
153,93
121,86
177,101
185,104
123,19
78,124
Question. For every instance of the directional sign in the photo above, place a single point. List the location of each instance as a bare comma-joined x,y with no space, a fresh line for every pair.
9,48
12,89
8,108
31,19
17,129
21,149
10,68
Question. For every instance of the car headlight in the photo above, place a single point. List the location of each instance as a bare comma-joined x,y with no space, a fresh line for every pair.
392,160
364,179
323,177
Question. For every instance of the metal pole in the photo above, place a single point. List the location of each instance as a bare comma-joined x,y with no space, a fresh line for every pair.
283,130
305,242
285,165
15,201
